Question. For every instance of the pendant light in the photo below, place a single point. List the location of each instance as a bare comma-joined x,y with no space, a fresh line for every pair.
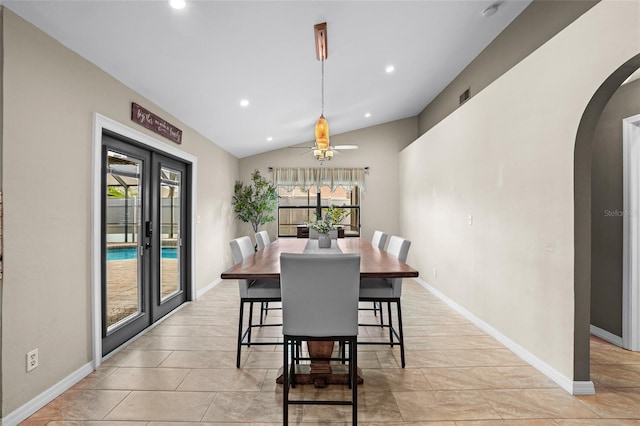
322,149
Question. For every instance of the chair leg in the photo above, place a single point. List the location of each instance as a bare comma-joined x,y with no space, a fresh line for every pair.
353,367
390,323
239,335
381,316
292,375
349,370
262,311
285,382
400,333
250,323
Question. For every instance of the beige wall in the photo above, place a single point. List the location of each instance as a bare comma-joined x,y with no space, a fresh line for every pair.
50,96
508,161
540,21
378,149
606,202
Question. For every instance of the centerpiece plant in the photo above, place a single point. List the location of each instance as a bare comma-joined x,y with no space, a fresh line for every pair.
322,224
333,216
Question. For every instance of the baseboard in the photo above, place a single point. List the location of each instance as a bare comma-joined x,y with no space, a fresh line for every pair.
26,410
204,290
575,388
606,336
65,384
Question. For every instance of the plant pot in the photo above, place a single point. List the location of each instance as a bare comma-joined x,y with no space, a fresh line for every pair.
324,241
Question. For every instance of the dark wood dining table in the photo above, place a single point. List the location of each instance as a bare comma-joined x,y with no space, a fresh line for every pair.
374,263
265,263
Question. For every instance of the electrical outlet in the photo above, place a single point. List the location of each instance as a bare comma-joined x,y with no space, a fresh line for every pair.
435,272
32,359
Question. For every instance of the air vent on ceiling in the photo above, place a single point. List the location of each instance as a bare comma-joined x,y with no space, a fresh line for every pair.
464,97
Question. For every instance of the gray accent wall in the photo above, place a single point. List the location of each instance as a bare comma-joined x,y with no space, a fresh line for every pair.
607,209
539,22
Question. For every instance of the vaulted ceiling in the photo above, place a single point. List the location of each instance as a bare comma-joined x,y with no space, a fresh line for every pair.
200,62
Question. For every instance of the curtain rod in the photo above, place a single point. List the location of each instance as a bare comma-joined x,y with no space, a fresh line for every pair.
366,169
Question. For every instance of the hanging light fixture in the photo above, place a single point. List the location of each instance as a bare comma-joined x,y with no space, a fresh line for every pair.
322,147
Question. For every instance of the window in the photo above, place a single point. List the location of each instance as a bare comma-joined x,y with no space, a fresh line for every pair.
305,192
298,206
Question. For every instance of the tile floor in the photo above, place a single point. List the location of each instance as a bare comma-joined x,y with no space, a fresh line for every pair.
183,372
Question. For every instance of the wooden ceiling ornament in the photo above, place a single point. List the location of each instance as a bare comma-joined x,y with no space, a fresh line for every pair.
321,41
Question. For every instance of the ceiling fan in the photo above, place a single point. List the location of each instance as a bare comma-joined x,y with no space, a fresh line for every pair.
334,148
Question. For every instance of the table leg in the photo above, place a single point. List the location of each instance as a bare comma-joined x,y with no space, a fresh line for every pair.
321,372
319,349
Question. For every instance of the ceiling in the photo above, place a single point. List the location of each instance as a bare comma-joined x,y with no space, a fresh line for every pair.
198,63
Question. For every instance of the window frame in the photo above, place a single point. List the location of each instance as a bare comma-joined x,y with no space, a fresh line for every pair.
318,210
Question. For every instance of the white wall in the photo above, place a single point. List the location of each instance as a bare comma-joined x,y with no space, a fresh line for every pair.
506,157
378,149
50,96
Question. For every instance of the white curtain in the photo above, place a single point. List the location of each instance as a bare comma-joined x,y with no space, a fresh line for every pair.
291,177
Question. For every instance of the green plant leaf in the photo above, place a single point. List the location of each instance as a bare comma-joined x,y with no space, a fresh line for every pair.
256,202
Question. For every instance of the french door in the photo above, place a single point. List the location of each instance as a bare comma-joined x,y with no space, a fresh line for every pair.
144,229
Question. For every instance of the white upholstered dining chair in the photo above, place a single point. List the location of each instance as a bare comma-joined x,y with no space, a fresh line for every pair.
380,290
319,302
379,239
262,239
251,291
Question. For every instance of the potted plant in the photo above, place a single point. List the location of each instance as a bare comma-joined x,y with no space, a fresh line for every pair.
336,214
324,225
255,203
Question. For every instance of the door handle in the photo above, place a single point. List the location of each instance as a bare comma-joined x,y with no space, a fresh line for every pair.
149,232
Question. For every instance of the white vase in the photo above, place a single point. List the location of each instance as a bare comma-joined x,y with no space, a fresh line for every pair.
324,241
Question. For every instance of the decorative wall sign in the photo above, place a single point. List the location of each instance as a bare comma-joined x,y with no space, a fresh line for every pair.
154,123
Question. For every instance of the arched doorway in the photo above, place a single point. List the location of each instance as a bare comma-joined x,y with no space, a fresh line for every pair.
582,214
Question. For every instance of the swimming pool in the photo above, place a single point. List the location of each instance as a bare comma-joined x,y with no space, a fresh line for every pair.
126,253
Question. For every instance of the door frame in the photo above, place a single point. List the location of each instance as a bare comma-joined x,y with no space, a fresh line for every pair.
101,123
631,233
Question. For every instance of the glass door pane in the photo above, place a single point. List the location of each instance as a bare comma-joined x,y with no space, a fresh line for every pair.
170,238
145,221
123,211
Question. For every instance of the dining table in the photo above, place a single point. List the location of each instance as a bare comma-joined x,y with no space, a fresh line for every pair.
374,263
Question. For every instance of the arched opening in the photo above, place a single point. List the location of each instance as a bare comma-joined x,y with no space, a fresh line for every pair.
583,215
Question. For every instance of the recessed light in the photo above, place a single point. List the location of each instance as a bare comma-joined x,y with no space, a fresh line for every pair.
244,103
177,4
390,69
269,139
367,115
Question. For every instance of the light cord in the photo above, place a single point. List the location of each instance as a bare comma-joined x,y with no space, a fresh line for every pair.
322,87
